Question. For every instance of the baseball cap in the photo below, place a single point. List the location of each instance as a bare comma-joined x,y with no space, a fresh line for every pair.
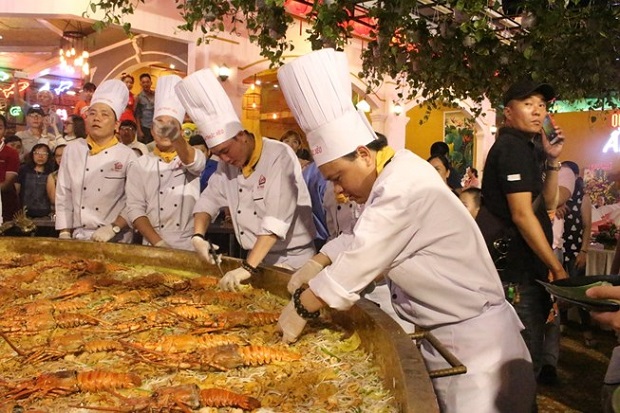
525,88
35,109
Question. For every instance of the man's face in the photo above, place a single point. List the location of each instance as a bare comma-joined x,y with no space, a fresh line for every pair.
127,134
146,83
87,95
527,114
101,121
45,98
17,145
34,120
235,151
353,179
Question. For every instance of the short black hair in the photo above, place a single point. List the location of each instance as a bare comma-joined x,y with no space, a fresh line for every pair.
440,148
129,122
444,160
35,109
12,138
89,87
145,75
197,140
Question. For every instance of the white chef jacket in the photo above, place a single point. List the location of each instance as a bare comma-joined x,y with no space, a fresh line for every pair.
441,277
90,191
165,193
340,218
274,199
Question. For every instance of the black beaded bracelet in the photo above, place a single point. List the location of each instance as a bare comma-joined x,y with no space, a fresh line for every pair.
246,266
301,310
199,235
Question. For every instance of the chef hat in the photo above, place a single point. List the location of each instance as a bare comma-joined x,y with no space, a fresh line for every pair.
113,93
166,100
318,92
208,105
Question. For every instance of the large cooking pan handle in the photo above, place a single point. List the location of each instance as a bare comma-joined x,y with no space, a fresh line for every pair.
457,366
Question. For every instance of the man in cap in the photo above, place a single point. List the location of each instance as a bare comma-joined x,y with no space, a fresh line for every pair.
403,232
163,186
90,193
35,132
259,179
521,167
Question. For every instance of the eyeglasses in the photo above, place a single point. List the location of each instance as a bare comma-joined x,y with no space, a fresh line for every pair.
127,128
41,153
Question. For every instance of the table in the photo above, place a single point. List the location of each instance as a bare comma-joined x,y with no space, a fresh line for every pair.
599,260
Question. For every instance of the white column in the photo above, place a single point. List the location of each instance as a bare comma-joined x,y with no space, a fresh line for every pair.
395,129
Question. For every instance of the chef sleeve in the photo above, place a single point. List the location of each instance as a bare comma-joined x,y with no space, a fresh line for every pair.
198,165
281,195
334,247
382,232
64,193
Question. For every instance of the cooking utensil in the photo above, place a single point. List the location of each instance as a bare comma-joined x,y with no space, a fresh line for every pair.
573,290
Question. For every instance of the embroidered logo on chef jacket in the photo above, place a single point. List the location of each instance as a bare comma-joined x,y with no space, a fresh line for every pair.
118,166
261,181
513,177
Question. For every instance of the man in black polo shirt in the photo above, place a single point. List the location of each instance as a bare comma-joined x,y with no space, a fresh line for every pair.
520,166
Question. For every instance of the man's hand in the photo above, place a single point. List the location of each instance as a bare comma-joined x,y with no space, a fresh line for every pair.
290,323
303,275
204,248
103,234
609,319
553,151
232,279
170,130
162,244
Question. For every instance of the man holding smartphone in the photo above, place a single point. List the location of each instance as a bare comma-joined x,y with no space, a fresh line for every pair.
520,185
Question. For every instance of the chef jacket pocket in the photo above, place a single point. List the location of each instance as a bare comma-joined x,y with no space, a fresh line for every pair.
258,194
114,175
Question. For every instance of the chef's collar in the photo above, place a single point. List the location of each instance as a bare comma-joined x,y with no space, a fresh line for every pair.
383,157
94,148
254,158
165,156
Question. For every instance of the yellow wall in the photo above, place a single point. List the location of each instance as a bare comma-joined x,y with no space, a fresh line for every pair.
419,138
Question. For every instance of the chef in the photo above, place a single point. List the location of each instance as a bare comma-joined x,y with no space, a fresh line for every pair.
163,186
408,230
90,193
259,179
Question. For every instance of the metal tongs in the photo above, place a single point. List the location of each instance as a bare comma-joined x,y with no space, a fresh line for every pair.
215,258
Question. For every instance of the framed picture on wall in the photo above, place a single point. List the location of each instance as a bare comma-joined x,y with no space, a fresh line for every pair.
458,133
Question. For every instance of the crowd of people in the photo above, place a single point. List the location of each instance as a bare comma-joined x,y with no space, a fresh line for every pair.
351,216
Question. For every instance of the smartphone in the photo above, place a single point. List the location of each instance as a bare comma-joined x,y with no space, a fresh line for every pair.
549,128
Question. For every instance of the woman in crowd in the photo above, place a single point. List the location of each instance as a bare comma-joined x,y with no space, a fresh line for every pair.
75,128
128,114
471,178
31,182
52,178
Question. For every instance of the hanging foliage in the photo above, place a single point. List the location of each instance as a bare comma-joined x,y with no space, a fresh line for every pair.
439,52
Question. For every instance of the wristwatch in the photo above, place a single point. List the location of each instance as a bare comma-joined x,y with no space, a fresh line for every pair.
116,229
550,167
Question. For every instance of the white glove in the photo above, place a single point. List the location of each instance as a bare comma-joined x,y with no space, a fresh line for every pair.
170,130
103,234
232,279
162,244
203,248
303,275
64,235
290,323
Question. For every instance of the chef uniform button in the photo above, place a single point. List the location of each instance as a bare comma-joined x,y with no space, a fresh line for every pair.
240,190
340,233
175,205
84,226
240,232
161,192
162,227
178,225
239,211
339,207
161,209
394,296
98,189
350,205
87,169
83,207
255,212
97,209
101,170
161,175
85,188
172,187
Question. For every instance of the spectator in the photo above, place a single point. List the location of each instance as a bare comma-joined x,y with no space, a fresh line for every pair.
145,106
442,166
90,195
316,187
31,183
74,128
52,178
35,132
454,179
128,133
128,114
14,142
81,107
471,198
198,142
471,178
9,167
513,181
292,139
52,122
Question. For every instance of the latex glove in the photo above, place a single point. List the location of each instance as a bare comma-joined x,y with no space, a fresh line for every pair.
103,234
170,130
64,235
232,279
203,248
290,323
303,275
162,244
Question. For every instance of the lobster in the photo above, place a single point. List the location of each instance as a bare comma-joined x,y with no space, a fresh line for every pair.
47,321
66,382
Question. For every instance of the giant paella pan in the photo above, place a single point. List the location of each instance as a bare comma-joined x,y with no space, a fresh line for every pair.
92,327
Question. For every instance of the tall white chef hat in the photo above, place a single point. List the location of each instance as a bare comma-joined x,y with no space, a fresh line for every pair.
166,99
318,92
208,105
113,93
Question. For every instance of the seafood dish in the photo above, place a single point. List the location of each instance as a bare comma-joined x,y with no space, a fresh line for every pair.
91,334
